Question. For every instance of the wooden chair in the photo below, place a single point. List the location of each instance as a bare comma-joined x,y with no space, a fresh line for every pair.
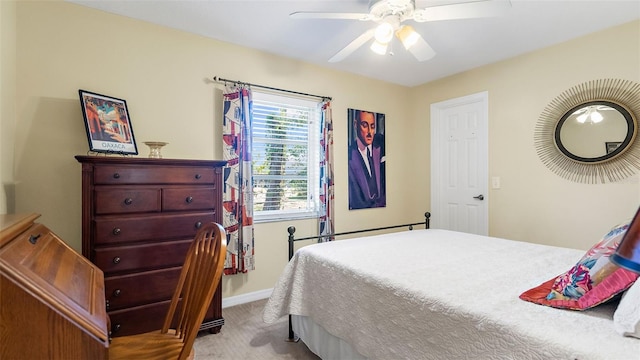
199,278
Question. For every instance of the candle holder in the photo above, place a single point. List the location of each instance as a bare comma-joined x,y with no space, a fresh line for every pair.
155,147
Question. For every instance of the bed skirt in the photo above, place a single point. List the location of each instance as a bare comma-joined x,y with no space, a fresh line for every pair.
321,342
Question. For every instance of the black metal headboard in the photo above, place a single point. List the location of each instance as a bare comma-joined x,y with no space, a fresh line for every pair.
292,229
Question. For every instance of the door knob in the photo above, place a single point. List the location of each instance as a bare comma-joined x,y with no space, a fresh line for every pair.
479,197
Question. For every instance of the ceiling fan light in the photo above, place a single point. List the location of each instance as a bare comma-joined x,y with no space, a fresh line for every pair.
407,36
384,33
596,117
582,118
378,47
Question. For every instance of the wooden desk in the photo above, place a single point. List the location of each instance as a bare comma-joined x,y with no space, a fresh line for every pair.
52,301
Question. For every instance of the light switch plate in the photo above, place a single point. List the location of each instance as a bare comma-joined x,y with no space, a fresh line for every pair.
495,182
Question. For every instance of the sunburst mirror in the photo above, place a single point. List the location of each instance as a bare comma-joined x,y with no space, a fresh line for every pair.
588,133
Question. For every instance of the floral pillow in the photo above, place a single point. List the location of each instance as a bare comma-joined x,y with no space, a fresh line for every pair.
592,281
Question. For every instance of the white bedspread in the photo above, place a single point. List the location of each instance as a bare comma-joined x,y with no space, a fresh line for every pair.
437,294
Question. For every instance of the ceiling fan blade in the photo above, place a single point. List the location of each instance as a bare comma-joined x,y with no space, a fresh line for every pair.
325,15
353,46
468,10
421,50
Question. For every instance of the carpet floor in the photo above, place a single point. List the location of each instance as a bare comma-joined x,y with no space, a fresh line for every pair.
245,336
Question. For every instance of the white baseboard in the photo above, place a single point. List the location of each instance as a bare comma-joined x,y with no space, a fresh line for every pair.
246,298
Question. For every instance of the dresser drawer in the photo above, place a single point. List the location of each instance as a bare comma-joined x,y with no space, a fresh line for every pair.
141,257
188,198
138,319
140,288
149,317
121,201
116,229
123,174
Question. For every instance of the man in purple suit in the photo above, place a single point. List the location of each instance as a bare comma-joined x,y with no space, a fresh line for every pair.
366,164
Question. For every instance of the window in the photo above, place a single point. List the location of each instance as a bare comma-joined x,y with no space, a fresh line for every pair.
285,155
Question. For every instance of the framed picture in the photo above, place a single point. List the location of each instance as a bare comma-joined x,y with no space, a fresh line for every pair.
612,146
108,125
366,158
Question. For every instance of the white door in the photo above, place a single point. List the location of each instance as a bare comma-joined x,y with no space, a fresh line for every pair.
459,164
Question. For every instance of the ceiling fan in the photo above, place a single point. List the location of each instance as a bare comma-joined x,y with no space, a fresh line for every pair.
591,113
391,14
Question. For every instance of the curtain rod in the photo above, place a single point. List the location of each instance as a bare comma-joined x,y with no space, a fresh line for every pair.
215,78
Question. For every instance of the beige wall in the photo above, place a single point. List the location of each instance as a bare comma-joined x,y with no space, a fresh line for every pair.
7,103
163,74
533,204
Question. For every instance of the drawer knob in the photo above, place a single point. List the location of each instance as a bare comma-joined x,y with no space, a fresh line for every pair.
116,292
128,201
198,224
115,328
116,176
189,199
198,176
116,231
34,239
116,260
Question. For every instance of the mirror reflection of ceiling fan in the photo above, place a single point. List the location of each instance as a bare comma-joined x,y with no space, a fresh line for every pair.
391,15
591,113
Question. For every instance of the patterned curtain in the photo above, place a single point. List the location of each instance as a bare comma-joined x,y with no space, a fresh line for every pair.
237,195
325,220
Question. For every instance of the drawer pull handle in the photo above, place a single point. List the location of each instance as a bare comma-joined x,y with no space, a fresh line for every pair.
117,292
128,201
198,176
115,328
189,199
116,176
116,260
198,224
116,231
34,239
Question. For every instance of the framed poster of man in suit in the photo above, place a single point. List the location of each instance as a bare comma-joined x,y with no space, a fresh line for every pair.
367,185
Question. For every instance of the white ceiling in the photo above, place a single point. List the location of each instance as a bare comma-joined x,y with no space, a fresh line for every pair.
459,44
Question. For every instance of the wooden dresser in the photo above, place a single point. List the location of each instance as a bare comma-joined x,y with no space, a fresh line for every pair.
139,216
51,298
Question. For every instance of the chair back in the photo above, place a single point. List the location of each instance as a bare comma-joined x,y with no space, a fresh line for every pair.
198,281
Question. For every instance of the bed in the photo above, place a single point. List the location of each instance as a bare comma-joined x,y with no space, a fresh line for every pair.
438,294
